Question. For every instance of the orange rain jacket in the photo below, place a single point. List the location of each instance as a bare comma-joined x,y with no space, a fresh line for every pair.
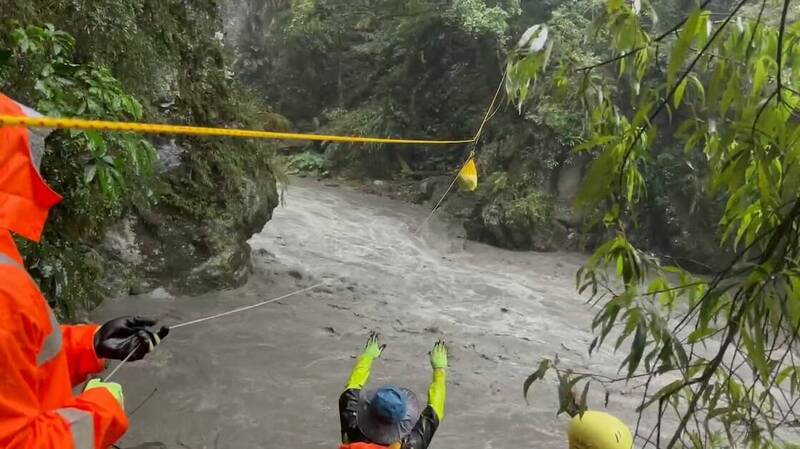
41,361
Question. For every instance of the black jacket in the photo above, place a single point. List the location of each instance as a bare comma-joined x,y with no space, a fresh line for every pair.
419,438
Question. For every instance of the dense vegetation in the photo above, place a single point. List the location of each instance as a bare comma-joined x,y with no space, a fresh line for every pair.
723,85
177,212
429,69
679,120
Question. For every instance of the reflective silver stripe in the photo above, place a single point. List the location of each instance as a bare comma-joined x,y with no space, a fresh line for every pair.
5,260
52,343
36,136
81,427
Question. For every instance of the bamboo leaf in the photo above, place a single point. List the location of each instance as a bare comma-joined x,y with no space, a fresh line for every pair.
663,392
679,91
637,347
686,37
540,372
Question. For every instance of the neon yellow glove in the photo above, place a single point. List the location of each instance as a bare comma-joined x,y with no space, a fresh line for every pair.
112,387
438,388
439,355
360,375
373,348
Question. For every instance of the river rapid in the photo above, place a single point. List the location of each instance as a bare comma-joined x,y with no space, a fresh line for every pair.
271,377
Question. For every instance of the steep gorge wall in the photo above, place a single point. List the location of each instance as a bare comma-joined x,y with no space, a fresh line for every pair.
209,195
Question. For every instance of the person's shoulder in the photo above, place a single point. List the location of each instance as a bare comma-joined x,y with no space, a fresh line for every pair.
18,293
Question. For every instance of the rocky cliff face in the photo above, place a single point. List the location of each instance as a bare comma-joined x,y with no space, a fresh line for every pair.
209,195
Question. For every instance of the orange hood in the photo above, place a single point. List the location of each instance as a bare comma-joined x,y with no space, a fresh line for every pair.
25,199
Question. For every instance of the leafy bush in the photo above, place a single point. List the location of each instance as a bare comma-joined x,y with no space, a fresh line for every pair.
99,175
535,208
308,162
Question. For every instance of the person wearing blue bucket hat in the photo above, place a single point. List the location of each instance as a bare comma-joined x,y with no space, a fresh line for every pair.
390,417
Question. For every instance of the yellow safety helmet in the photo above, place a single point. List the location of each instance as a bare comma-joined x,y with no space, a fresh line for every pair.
598,430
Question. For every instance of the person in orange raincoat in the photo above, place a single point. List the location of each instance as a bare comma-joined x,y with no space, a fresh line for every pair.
41,361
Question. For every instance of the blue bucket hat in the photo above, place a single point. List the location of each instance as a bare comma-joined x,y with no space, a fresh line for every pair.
386,415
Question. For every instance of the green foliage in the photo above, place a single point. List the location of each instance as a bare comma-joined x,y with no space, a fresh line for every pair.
362,159
728,96
570,401
535,208
476,17
308,162
99,175
114,167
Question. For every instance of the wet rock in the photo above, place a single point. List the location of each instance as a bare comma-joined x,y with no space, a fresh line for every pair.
169,154
381,185
422,191
161,293
139,288
189,254
120,242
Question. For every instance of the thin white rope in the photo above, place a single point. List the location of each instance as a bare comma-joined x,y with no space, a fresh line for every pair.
213,317
439,203
245,308
488,116
119,365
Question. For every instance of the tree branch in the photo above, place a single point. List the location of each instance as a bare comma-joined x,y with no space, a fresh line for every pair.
635,50
733,329
761,110
755,28
779,57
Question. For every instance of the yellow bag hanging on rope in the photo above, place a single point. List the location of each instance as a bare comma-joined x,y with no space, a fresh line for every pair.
468,176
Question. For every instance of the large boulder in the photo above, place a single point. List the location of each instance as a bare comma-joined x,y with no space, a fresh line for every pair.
185,252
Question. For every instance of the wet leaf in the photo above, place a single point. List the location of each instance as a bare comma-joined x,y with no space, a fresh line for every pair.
637,347
539,374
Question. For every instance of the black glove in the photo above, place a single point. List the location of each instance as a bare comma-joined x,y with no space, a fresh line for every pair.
119,337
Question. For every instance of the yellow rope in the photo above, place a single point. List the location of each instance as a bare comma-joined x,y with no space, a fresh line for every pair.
150,128
488,116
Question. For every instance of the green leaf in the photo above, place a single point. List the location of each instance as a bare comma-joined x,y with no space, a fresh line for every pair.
679,91
614,5
717,412
784,374
756,355
700,334
89,173
637,347
544,365
663,392
759,76
731,92
680,50
698,87
582,407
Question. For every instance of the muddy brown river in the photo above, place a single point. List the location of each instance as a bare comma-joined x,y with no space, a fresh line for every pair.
271,377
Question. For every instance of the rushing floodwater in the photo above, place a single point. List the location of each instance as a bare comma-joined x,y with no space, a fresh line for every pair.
271,377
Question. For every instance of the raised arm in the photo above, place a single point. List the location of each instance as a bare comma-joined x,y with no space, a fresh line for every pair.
348,401
433,414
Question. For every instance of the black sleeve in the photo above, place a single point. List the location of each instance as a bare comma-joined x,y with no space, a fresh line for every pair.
348,411
421,436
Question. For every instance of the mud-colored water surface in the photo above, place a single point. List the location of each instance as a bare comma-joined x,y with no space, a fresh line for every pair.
271,377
